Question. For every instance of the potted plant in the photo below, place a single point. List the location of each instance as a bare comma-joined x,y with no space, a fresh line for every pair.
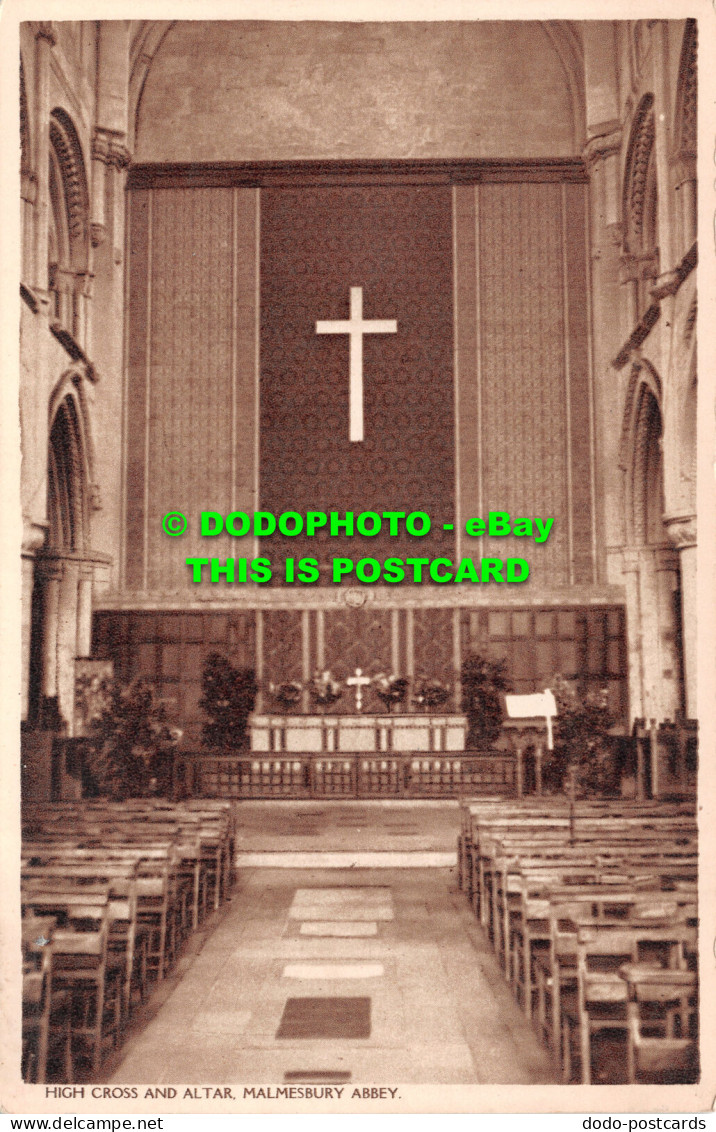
431,692
390,689
325,690
130,741
582,762
228,699
483,681
287,694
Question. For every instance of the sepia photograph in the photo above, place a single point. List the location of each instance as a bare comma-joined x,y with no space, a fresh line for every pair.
360,683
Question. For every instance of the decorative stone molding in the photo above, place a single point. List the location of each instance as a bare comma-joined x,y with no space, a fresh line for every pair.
30,299
686,127
65,143
256,597
75,351
681,530
638,336
635,182
670,282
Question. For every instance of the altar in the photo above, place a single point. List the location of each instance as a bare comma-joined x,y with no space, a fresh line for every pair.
357,734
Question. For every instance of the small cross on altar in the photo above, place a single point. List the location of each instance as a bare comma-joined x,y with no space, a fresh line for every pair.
355,327
359,682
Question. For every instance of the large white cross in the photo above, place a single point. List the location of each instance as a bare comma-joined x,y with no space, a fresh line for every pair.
356,326
359,682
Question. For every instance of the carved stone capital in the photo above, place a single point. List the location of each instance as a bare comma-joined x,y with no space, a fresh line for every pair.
110,148
33,536
120,154
666,559
628,268
602,145
28,186
98,233
681,530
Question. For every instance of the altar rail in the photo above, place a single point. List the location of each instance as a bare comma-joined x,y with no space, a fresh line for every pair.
345,775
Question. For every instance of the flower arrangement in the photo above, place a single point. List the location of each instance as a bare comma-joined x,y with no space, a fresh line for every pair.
325,690
391,689
431,692
288,694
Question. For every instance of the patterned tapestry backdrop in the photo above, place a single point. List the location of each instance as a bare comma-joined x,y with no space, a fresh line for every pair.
395,243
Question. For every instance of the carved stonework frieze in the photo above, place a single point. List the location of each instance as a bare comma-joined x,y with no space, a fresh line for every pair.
681,530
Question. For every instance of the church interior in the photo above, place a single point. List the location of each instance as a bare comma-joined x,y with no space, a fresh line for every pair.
424,293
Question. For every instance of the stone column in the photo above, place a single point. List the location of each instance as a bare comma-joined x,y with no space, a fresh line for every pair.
33,538
667,582
682,532
635,669
45,41
84,610
28,584
52,575
67,640
601,156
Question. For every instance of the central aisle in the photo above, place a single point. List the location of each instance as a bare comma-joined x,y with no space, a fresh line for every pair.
364,975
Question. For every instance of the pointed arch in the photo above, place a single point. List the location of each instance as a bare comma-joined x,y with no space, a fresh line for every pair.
641,458
70,461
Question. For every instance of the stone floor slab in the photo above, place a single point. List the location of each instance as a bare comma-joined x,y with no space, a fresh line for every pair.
315,971
336,928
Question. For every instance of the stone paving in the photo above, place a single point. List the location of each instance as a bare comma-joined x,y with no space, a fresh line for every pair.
438,1012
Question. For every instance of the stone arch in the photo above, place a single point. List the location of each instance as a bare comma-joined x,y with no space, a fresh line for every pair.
567,44
639,203
67,153
68,472
145,43
638,173
641,458
161,57
68,245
